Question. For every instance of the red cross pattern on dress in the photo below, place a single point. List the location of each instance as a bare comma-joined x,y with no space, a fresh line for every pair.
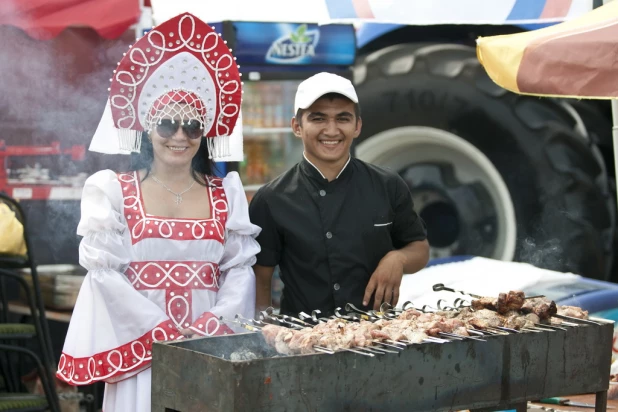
179,280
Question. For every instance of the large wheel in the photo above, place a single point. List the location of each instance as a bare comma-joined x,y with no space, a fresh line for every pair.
492,173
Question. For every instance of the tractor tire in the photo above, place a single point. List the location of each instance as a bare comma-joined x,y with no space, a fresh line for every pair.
492,173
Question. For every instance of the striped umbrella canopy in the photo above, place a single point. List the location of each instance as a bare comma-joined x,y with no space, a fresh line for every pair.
407,12
577,58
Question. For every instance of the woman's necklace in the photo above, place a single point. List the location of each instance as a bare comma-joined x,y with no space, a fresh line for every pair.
178,195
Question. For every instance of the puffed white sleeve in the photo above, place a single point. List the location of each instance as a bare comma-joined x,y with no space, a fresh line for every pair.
236,293
113,326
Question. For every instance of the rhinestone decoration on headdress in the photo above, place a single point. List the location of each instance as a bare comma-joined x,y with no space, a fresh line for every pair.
180,61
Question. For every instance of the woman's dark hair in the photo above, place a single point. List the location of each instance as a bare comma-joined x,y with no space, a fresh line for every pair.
200,165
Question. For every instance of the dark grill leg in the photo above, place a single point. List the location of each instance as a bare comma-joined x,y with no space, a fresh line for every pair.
521,407
600,404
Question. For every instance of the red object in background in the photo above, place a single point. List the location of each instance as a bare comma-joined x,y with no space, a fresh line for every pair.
38,191
45,19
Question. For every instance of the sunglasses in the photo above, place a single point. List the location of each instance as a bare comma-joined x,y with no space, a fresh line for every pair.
192,129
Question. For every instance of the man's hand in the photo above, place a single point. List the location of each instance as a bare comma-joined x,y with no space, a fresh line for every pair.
386,279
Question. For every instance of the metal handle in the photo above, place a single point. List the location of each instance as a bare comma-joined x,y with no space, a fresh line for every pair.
440,286
350,307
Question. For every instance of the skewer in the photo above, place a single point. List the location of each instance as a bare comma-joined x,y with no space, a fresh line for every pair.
440,286
349,307
462,303
476,332
451,336
252,328
288,323
357,351
428,309
576,320
431,339
378,314
461,337
497,331
446,307
303,316
371,350
569,324
386,307
314,316
253,321
300,322
396,342
547,328
489,332
533,330
601,321
505,329
377,342
346,317
383,350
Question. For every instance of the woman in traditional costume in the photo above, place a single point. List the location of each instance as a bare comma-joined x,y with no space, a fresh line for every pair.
168,247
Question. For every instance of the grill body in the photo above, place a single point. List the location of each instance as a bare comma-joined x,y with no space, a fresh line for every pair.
503,371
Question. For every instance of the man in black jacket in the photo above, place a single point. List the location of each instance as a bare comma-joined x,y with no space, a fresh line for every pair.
341,230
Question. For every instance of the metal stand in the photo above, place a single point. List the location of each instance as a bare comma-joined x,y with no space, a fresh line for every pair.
600,403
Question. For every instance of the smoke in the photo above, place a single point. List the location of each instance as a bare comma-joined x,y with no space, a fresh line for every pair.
548,254
55,91
554,242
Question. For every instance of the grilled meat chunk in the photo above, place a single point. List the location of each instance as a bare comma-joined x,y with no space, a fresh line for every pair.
542,307
573,312
505,302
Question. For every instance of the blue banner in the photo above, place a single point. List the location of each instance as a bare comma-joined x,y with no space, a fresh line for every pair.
294,44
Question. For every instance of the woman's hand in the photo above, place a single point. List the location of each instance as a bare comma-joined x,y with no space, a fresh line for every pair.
187,333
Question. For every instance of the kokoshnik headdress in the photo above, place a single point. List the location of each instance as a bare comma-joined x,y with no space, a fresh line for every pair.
183,61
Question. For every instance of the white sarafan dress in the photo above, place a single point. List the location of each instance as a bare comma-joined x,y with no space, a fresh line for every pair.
150,276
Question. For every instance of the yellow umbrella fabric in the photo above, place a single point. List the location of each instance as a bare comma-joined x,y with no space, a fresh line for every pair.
577,58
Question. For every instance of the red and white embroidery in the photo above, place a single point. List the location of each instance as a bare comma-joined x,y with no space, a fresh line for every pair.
113,363
179,280
182,53
209,325
144,226
173,274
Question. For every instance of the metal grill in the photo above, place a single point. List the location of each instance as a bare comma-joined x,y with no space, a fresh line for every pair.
500,369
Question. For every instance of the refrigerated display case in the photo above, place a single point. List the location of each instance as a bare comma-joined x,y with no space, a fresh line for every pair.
270,146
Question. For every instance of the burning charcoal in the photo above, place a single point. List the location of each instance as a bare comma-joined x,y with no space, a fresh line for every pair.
242,355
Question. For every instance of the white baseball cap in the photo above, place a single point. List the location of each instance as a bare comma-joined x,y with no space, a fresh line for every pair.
320,84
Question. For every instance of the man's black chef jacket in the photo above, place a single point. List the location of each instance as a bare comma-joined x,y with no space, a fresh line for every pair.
328,237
